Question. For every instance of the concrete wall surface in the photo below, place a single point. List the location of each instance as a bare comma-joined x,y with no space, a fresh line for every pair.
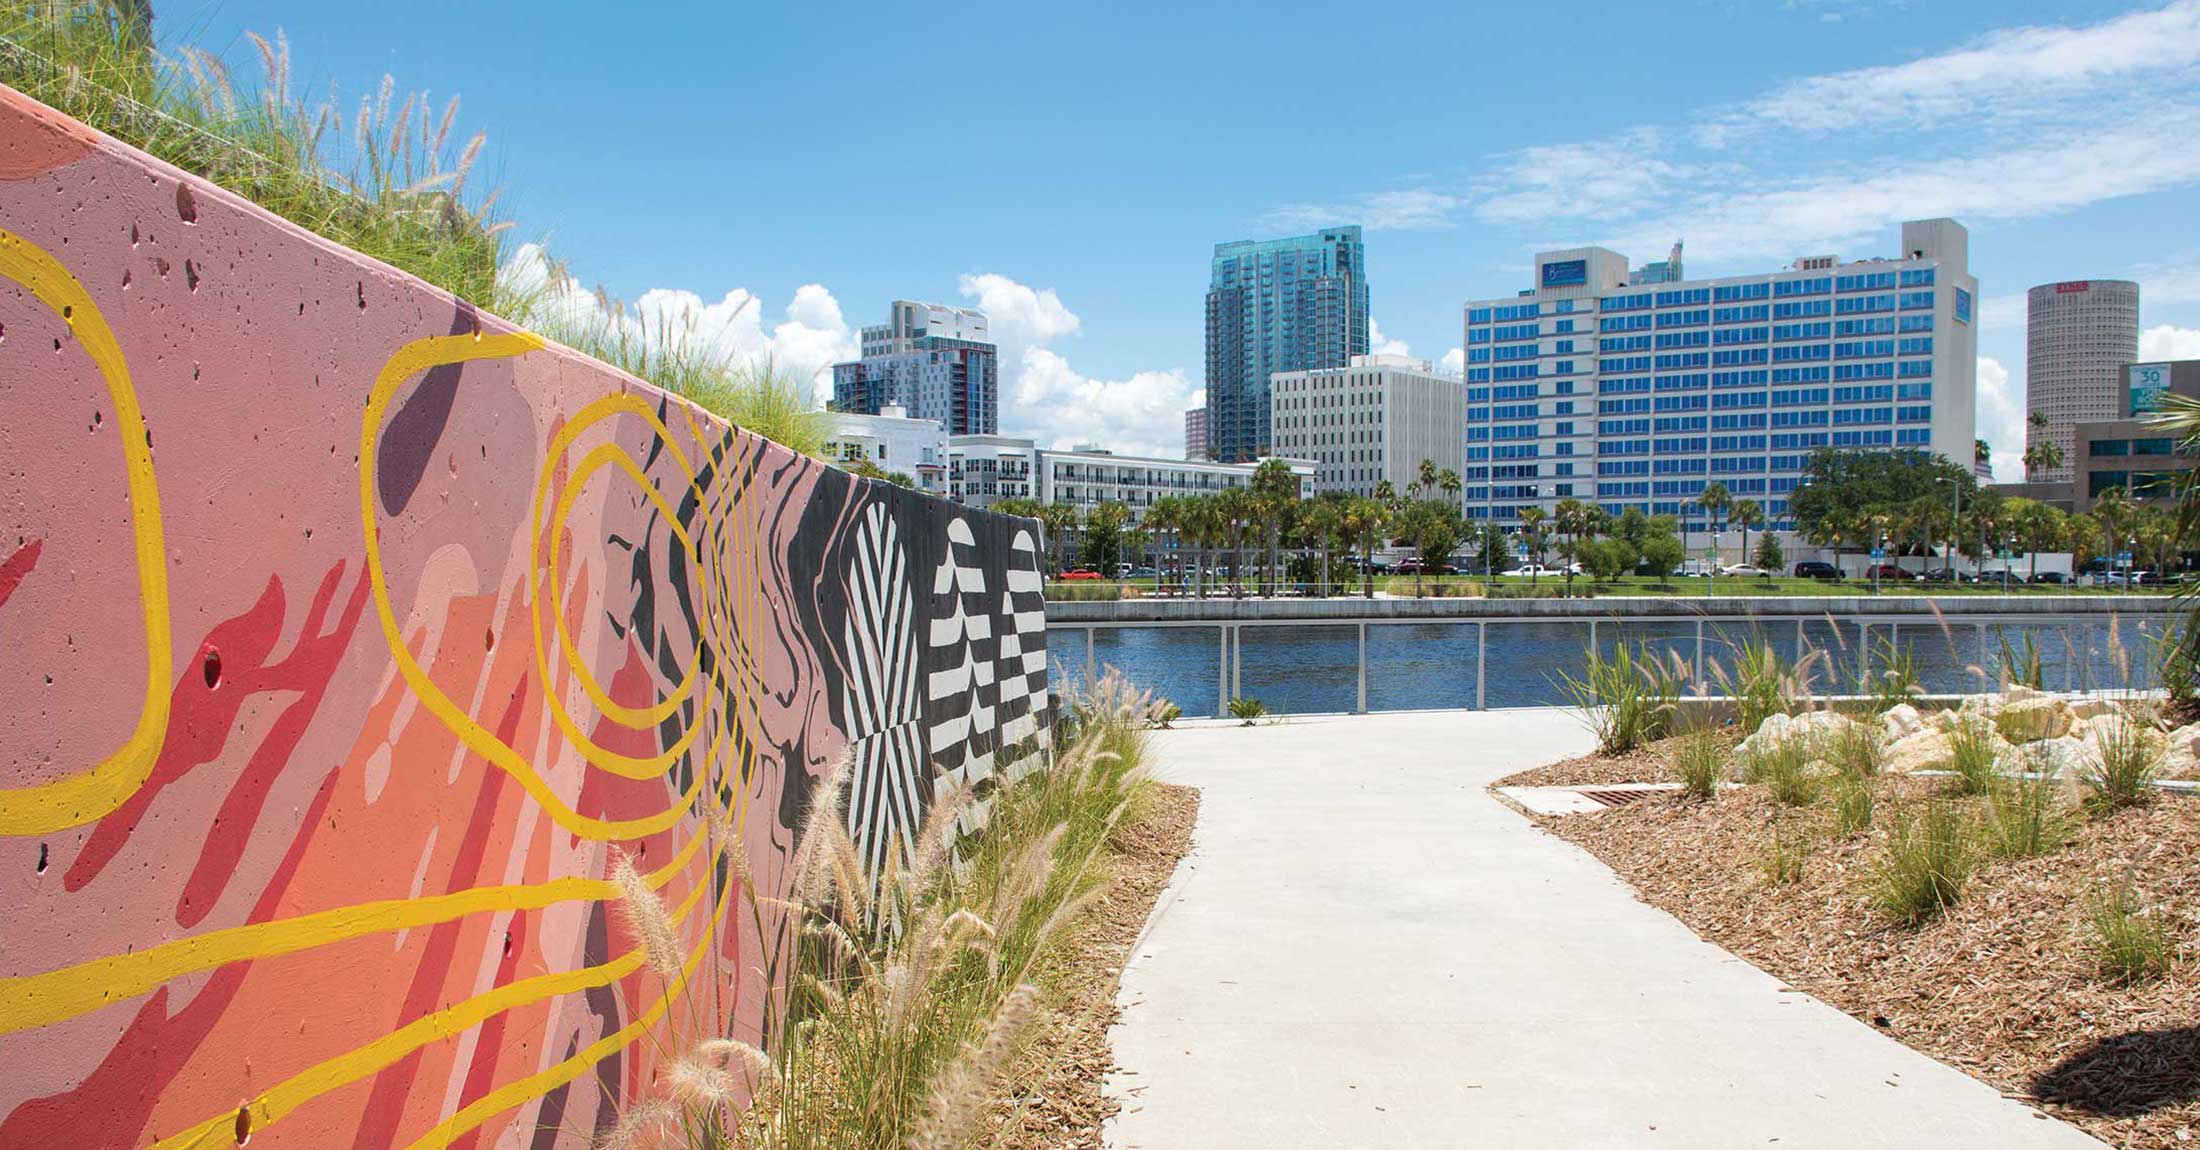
345,635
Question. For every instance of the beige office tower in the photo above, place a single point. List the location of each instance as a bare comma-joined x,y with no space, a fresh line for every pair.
2078,336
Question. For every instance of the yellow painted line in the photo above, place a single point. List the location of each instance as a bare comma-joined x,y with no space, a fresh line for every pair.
285,1097
33,1000
90,794
410,360
523,1090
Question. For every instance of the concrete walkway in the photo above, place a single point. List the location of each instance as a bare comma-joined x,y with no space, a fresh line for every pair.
1366,950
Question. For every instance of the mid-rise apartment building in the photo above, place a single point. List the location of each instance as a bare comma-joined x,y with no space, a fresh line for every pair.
934,361
894,442
2078,337
1592,386
985,469
1371,421
1277,305
1195,433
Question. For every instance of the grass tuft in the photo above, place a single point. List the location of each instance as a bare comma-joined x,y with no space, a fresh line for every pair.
1248,709
1626,699
1926,861
2025,816
1700,758
1971,751
1787,768
2126,756
2132,946
1852,802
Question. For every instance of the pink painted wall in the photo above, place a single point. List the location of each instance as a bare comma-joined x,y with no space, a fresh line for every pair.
305,803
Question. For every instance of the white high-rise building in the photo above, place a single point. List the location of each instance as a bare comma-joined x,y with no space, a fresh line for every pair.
1373,420
1589,386
894,442
985,469
935,361
2078,336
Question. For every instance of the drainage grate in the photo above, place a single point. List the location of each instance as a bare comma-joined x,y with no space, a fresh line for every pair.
1613,798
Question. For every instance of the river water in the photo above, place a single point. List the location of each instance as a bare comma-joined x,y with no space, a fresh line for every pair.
1312,669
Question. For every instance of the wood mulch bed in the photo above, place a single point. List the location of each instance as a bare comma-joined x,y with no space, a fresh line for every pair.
1052,1097
2004,985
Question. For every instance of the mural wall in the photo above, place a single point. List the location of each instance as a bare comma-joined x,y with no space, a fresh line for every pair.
345,634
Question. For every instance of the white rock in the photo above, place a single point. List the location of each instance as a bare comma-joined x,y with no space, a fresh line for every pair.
2033,719
2092,707
1901,721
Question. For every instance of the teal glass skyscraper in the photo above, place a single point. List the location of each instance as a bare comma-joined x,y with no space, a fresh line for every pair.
1296,304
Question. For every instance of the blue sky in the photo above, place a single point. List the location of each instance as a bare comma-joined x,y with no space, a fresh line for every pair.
785,170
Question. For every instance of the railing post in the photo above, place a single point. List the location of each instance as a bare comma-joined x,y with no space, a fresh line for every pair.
1481,664
1092,662
1222,671
1699,648
1363,667
1237,660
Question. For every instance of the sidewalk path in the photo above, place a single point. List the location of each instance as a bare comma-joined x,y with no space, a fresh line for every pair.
1365,949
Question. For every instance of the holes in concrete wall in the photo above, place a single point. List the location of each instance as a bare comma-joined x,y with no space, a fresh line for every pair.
42,861
187,205
488,639
191,274
362,285
133,235
244,1124
210,665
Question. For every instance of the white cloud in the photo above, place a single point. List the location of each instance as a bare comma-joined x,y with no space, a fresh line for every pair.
1380,344
2168,341
2022,123
2001,418
805,345
1400,209
1054,404
1455,361
2002,311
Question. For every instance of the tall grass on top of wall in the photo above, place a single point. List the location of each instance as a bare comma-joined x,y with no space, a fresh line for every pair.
389,179
401,194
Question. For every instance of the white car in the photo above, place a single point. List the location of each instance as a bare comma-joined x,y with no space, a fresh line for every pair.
1537,569
1743,569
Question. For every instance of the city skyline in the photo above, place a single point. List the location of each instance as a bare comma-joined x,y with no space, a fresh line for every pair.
2052,130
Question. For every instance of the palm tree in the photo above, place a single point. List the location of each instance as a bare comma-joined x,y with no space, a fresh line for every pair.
1531,537
1363,518
1570,517
1424,480
1199,523
1714,502
2041,454
1163,516
1059,517
1275,487
1745,514
1447,481
1107,520
1238,509
1981,452
1323,521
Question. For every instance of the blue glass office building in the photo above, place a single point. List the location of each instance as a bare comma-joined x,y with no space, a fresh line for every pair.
1591,386
1297,304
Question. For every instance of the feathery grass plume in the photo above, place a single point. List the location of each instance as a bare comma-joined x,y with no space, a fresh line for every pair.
2021,667
731,1051
959,1102
1858,748
2024,813
1761,684
1972,751
1925,862
2132,946
641,1126
813,852
697,1081
1787,768
647,918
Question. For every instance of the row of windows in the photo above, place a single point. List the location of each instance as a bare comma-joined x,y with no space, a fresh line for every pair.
1863,304
1864,281
1753,313
1732,399
1740,357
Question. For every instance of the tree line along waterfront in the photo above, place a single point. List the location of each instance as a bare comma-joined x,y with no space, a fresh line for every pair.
1266,539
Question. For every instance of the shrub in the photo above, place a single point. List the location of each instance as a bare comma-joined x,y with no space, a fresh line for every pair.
2024,814
1852,802
2126,755
1971,751
1925,863
1700,758
2021,666
1626,699
1787,769
1247,709
2132,946
1761,685
1166,714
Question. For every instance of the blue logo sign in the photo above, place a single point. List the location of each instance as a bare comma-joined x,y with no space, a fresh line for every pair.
1879,553
1963,306
1565,273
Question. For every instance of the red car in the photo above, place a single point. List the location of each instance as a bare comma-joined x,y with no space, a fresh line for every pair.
1078,574
1887,572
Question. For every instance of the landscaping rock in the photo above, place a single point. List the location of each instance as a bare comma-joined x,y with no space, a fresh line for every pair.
2092,708
2068,755
1777,729
1901,721
2032,719
1921,750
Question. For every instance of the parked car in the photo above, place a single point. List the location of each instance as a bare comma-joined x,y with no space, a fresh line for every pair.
1744,569
1079,574
1813,569
1412,565
1887,572
2055,577
1537,570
